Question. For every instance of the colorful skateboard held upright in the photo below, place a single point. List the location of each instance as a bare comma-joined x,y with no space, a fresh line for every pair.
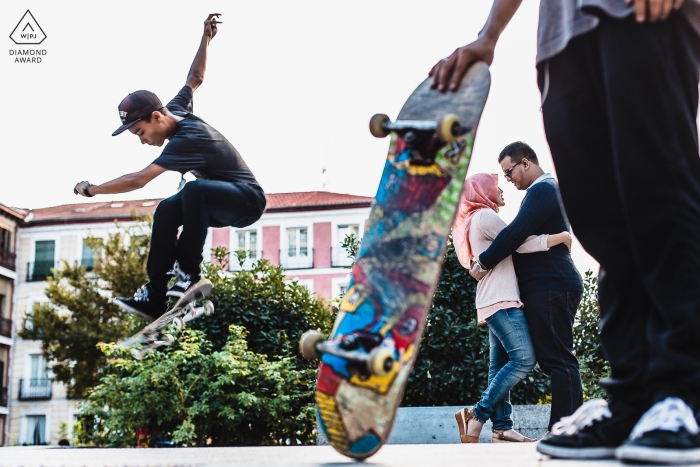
366,360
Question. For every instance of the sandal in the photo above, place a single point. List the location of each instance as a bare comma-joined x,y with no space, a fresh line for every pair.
499,436
463,417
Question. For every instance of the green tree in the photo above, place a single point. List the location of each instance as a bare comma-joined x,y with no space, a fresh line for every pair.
79,313
587,348
193,395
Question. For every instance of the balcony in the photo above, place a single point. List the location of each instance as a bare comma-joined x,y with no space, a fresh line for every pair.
34,389
5,328
340,258
301,259
39,270
251,257
7,259
3,397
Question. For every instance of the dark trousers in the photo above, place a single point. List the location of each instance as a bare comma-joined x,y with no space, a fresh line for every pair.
550,316
620,121
199,205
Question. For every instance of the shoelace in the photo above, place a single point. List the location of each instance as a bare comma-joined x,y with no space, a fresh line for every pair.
182,279
670,415
141,294
591,411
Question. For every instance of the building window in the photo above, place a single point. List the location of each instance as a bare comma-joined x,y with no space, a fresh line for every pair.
88,257
345,230
43,260
35,429
297,255
248,241
297,242
5,240
38,369
339,255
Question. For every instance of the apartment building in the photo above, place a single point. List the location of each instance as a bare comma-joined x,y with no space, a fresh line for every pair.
300,231
9,218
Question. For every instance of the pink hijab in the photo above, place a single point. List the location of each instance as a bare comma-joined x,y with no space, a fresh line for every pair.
480,192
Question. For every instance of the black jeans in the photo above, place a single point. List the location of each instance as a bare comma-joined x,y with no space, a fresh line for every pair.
550,316
199,205
620,121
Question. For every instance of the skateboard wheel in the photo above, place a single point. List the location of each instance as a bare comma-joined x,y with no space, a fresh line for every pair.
138,354
376,125
308,342
446,126
381,361
208,308
168,339
179,323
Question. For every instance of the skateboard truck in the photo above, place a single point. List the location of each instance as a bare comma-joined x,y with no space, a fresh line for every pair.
423,137
379,361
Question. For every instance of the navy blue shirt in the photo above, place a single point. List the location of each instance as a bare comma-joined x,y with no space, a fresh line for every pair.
540,213
198,148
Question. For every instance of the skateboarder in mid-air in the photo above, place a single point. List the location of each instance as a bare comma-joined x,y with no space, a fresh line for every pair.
224,194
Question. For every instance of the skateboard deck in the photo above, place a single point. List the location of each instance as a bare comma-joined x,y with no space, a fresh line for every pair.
184,310
366,360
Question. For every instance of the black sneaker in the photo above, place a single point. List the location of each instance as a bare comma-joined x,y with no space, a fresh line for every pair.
667,434
592,432
142,305
183,282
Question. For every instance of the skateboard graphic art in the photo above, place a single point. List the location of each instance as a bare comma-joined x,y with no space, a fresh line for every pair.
365,362
152,336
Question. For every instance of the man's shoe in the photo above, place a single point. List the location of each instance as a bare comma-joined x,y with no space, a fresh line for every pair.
667,434
592,432
183,281
142,305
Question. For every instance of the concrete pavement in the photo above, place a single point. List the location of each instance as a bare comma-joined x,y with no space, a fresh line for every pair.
396,455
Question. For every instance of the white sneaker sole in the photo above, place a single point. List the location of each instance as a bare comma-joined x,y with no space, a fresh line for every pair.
576,453
658,455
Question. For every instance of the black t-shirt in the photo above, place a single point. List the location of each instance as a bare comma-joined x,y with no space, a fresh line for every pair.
198,148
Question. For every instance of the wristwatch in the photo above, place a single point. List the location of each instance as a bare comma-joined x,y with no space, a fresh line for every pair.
480,267
85,190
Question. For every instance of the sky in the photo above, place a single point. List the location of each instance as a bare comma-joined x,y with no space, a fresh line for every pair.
292,84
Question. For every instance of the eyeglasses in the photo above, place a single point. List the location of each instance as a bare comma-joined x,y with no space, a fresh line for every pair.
507,173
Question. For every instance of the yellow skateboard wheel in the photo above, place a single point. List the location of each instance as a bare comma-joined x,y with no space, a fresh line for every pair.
381,361
445,126
308,342
376,125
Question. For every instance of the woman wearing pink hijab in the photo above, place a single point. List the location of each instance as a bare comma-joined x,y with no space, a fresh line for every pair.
498,305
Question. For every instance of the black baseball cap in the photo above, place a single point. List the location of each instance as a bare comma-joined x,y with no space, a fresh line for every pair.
135,106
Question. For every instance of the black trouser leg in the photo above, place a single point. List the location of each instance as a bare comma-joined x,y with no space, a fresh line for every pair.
550,316
620,121
161,257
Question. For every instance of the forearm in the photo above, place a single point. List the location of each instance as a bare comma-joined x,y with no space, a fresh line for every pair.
123,184
556,239
195,77
502,12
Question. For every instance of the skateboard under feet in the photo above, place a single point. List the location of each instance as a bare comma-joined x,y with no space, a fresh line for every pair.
153,335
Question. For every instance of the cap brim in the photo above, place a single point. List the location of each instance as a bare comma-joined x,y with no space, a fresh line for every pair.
124,127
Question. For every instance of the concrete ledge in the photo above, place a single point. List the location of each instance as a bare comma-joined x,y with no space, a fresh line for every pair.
437,425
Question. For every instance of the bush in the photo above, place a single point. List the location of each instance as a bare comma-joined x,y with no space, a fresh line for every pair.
195,396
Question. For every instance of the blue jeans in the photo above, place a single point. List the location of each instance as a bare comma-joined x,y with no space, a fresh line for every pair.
512,358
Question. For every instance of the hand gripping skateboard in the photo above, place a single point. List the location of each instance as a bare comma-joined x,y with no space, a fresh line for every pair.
366,360
152,336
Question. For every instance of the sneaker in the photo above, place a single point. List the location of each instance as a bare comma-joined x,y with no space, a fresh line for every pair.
183,282
141,305
592,432
667,434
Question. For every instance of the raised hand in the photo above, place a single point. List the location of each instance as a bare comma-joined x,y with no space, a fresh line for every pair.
210,28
